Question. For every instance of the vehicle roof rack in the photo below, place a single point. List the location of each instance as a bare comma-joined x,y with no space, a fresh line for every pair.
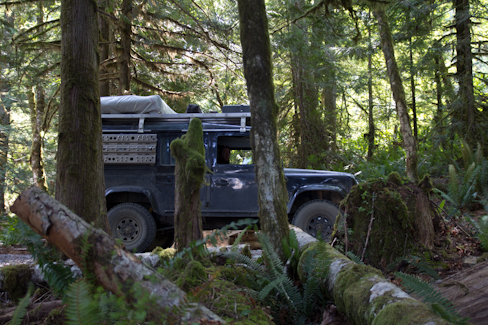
242,119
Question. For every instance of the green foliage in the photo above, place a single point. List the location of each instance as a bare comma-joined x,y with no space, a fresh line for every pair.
278,289
481,230
21,309
291,252
429,295
465,185
81,308
57,275
416,262
356,259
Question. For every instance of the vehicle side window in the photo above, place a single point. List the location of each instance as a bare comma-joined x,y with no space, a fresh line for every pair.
165,157
234,150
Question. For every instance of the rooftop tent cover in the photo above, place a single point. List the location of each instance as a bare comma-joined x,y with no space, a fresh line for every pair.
132,104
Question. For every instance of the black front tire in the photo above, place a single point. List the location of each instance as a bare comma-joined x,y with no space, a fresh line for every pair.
133,225
317,216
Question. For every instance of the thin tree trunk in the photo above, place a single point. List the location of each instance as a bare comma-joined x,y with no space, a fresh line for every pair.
4,133
112,266
80,183
398,91
104,49
258,72
412,86
125,43
371,126
464,66
37,107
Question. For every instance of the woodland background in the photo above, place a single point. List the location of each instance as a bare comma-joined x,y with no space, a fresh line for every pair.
336,109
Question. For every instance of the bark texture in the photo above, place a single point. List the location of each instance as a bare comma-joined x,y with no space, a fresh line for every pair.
104,41
5,124
80,182
125,43
360,291
189,153
409,143
113,267
37,108
465,111
256,50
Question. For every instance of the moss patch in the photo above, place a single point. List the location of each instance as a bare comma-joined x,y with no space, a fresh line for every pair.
418,313
402,224
16,280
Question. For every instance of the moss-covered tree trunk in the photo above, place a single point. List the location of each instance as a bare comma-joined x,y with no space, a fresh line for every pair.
359,291
398,91
36,106
189,153
256,50
80,182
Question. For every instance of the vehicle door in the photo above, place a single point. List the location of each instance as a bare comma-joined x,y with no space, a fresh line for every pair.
231,189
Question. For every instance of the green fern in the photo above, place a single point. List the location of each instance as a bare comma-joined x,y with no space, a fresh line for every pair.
81,308
288,299
481,230
356,259
416,262
429,295
21,309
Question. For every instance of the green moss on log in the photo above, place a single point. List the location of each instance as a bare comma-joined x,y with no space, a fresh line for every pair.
417,312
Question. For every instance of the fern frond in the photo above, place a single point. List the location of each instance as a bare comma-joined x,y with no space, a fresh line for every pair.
425,291
270,286
81,308
21,309
356,259
58,276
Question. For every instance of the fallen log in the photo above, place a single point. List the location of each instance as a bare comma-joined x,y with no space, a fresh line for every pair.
96,253
361,292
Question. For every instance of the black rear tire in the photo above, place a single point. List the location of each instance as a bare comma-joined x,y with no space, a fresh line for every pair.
133,225
317,216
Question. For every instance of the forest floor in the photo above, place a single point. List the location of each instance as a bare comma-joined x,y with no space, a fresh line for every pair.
457,258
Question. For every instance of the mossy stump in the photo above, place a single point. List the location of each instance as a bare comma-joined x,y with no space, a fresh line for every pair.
189,153
391,217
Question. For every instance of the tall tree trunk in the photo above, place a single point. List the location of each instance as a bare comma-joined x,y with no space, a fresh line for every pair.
4,133
189,153
104,50
125,44
412,86
371,125
464,67
439,90
37,107
409,142
80,184
329,99
258,71
306,95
